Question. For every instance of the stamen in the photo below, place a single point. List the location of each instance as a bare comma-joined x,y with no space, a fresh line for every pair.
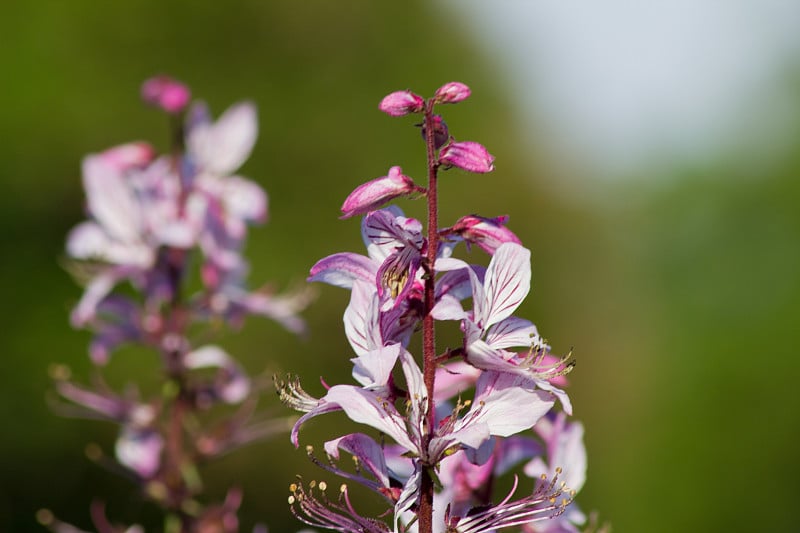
292,394
319,511
543,504
534,361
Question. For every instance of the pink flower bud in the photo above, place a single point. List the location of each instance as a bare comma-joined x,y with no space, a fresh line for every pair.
451,93
468,155
488,233
130,155
371,195
166,93
401,103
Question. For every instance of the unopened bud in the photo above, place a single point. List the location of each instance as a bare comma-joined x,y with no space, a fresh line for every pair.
166,93
468,155
371,195
451,93
400,103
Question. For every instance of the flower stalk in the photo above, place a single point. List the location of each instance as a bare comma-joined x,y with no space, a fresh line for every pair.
150,218
439,473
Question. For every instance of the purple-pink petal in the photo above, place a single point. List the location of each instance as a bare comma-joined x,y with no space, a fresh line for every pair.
467,155
369,454
371,195
488,233
451,93
401,103
340,270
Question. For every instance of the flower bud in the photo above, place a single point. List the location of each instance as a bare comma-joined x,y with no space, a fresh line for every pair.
400,103
468,155
371,195
166,93
488,233
451,93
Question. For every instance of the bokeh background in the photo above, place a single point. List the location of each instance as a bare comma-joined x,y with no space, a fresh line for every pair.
665,226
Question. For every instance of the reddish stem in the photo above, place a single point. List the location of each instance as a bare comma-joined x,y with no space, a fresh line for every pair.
425,511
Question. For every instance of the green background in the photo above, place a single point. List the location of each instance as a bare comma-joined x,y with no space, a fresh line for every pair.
679,298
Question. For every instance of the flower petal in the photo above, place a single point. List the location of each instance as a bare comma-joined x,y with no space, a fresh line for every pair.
401,103
467,155
340,270
222,147
371,195
507,281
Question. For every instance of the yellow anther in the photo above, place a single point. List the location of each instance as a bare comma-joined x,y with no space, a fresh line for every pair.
323,485
293,487
291,500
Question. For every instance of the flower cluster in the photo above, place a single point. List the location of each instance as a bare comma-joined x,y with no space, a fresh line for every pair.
468,414
151,219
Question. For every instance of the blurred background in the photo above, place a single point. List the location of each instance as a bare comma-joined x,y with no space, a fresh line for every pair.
649,157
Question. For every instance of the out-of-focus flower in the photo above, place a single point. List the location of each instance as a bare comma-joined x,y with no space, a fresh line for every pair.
166,93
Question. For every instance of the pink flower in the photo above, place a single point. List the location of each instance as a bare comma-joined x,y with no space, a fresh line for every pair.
451,93
488,233
400,103
468,155
371,195
166,93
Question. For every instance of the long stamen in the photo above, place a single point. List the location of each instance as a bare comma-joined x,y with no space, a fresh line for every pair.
322,512
543,504
292,394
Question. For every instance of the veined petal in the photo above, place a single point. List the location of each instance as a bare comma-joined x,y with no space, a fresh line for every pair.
368,452
366,407
340,270
511,331
507,281
362,318
374,368
448,308
498,401
390,231
453,379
